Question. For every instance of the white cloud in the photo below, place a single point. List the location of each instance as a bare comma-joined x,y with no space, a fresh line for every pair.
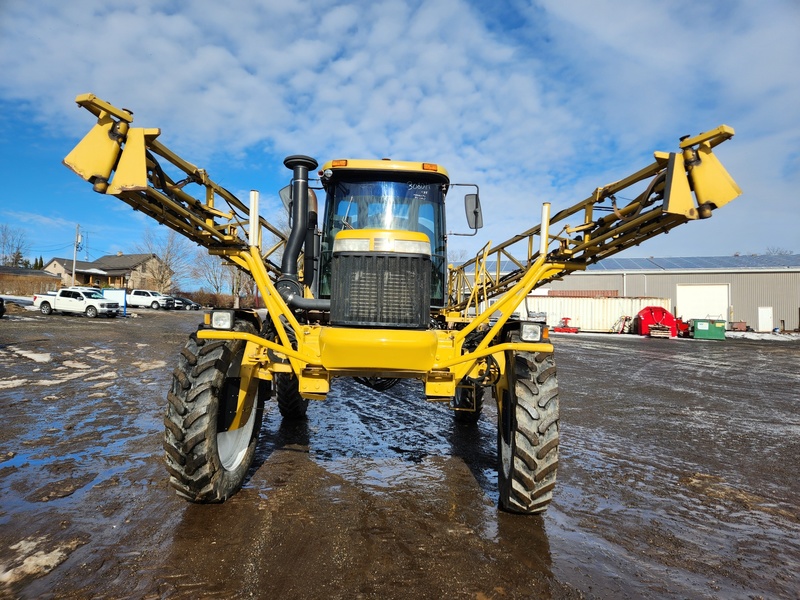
534,100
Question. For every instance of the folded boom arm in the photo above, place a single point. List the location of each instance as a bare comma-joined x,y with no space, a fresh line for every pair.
681,186
128,162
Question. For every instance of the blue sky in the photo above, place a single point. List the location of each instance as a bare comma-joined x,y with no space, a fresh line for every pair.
538,100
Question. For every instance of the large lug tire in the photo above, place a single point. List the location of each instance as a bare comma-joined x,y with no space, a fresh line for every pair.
470,401
91,312
45,308
527,433
207,461
291,404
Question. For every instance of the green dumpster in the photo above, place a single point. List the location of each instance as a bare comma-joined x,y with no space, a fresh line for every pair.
708,329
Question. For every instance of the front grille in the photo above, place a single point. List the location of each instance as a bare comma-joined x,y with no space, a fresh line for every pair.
380,290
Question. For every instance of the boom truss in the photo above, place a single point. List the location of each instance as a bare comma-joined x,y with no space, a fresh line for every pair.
137,159
682,186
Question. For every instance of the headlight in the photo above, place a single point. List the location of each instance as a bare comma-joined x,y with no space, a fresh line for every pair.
402,246
222,319
351,245
530,332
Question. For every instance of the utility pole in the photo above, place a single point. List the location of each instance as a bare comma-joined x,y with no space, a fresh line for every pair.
75,250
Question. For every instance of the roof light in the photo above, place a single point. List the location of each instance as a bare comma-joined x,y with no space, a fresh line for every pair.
430,167
339,163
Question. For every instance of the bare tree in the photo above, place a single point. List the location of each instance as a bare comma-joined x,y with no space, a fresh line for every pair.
14,246
241,285
457,257
210,269
235,277
175,255
777,251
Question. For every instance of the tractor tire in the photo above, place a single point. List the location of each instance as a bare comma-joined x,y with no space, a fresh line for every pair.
206,461
527,433
291,404
471,402
45,308
91,312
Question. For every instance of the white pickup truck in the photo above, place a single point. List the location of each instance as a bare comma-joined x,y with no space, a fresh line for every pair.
87,302
149,298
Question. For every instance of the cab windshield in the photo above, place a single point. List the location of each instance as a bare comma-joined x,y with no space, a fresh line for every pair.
398,204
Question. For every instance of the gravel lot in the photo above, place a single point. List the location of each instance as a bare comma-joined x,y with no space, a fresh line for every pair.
678,479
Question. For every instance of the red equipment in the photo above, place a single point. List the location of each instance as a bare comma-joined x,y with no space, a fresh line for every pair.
655,321
563,326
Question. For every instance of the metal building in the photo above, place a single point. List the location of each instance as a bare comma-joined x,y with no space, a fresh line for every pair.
761,291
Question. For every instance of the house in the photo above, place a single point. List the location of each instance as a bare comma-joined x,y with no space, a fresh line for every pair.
118,270
16,281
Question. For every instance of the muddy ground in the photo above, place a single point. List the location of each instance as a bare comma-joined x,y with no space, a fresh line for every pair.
678,479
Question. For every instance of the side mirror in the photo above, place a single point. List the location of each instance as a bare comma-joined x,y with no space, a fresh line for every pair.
285,194
472,205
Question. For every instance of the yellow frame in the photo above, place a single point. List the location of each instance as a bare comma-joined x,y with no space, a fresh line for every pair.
113,157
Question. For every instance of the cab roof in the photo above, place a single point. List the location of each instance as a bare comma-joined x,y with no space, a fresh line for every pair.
385,164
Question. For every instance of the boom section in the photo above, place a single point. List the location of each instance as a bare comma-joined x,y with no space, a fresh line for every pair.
131,164
676,188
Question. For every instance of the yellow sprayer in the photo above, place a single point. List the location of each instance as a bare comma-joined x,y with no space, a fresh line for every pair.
366,292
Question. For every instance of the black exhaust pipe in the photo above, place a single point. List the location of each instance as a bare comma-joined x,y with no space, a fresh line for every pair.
303,227
300,166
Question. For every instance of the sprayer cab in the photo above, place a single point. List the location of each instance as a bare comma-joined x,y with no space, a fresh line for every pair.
383,251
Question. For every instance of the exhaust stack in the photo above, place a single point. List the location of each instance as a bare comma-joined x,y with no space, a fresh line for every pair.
300,165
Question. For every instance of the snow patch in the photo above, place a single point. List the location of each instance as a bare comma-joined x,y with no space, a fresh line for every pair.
72,364
150,365
106,375
31,561
39,357
62,377
7,384
770,337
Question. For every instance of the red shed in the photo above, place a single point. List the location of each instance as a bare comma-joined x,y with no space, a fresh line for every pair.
658,316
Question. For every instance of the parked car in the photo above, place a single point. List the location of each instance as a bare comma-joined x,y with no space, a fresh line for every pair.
84,288
2,308
185,304
151,298
67,300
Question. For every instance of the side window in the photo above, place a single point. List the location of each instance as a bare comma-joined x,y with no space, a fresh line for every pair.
426,223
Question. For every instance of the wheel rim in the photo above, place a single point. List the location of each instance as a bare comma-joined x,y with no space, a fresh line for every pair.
232,445
506,456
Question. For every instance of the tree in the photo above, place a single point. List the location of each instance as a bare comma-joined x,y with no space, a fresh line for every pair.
777,251
174,253
14,245
209,269
241,284
457,257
